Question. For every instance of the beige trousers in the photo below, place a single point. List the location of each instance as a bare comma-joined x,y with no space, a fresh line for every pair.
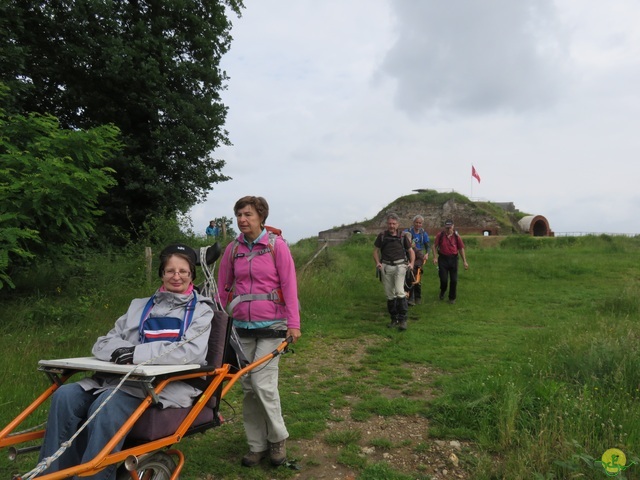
393,280
261,412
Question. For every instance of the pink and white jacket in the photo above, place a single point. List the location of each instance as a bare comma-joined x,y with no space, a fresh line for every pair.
260,271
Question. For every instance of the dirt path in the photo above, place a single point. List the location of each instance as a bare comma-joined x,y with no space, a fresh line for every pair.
407,445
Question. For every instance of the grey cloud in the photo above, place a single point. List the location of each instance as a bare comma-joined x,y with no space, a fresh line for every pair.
470,56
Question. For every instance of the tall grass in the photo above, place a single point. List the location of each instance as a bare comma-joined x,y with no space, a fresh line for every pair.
566,380
537,363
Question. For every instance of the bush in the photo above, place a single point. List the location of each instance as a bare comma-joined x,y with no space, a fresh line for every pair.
51,179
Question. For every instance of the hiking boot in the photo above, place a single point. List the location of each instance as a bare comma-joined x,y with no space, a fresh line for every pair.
393,323
278,453
252,459
402,325
411,299
451,302
418,301
441,297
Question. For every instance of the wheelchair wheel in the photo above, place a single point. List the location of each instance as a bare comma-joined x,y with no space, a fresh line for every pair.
158,466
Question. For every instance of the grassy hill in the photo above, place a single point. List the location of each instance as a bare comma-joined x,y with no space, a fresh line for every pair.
436,207
533,374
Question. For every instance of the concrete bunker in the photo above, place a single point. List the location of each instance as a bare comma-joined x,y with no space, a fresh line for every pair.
535,225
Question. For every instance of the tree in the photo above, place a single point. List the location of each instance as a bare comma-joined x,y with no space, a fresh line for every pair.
150,67
228,230
50,181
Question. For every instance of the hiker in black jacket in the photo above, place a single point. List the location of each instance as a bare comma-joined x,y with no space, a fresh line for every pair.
394,256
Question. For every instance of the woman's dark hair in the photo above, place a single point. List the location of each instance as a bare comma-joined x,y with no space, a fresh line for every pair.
179,250
259,203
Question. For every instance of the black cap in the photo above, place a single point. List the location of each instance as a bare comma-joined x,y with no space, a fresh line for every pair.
184,250
448,222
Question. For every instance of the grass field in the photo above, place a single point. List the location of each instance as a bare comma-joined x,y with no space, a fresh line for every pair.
536,366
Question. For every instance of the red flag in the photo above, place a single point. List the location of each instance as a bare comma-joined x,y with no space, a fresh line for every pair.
474,173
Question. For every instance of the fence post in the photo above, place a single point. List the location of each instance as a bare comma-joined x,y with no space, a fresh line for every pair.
148,259
326,244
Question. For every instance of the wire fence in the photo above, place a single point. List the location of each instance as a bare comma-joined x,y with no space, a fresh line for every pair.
584,234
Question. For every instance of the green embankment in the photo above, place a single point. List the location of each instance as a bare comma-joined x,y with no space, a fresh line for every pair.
536,365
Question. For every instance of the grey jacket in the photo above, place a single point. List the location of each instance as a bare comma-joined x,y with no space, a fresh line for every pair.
125,334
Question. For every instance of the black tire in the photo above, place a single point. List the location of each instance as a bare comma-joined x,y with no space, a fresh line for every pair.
158,466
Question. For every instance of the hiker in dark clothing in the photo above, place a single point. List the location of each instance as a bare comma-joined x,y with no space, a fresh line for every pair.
394,256
446,248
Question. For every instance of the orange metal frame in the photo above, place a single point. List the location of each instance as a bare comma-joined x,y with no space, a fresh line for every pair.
105,458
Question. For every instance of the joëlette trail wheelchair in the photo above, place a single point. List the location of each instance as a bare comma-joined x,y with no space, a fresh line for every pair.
151,433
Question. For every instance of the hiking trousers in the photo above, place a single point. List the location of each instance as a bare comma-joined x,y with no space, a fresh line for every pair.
261,411
448,273
393,280
71,405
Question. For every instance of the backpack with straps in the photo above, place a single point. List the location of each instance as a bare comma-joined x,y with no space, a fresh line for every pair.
273,233
421,233
276,295
386,239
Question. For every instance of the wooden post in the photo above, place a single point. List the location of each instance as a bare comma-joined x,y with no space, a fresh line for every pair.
326,244
148,258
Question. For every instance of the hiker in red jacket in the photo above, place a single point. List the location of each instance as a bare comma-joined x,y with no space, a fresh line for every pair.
446,248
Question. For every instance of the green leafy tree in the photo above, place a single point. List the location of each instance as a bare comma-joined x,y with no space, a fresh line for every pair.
11,238
149,67
50,181
228,223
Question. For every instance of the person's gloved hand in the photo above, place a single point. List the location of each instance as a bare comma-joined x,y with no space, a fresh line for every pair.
122,355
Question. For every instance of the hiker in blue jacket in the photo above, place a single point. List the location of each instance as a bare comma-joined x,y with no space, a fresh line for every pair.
212,230
420,245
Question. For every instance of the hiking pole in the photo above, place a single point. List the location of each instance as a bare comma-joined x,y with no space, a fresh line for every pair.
418,277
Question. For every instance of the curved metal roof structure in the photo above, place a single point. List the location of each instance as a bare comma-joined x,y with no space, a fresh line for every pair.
535,225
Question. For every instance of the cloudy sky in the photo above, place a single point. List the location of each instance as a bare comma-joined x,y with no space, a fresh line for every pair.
337,108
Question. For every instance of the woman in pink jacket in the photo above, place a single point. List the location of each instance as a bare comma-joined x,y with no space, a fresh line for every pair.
261,294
